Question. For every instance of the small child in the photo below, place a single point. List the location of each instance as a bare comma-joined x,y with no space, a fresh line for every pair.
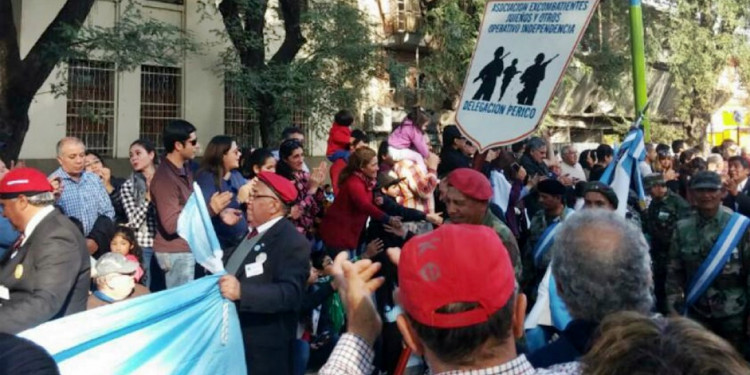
340,136
408,141
123,242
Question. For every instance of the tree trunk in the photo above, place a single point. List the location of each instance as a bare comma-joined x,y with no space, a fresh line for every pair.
267,118
12,132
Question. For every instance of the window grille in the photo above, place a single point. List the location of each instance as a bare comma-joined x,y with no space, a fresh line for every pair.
240,121
91,104
161,100
407,16
177,2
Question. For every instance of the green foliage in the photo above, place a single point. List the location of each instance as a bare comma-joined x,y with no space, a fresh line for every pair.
331,70
453,28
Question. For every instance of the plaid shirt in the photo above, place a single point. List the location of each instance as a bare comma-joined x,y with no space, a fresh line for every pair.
308,204
352,356
415,191
84,199
141,215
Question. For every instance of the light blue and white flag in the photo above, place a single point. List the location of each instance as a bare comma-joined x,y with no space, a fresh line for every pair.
190,329
623,170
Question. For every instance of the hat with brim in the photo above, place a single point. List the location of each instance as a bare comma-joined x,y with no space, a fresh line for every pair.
385,181
705,180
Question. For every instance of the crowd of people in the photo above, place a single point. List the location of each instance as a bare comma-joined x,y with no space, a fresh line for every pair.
436,257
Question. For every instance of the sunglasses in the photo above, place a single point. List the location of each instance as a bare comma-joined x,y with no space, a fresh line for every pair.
192,141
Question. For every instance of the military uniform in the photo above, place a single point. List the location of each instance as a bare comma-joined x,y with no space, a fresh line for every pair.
509,240
533,273
660,220
723,307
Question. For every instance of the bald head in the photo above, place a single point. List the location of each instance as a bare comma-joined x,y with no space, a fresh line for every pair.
602,265
68,141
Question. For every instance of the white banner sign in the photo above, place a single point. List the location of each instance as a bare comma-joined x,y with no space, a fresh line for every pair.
521,55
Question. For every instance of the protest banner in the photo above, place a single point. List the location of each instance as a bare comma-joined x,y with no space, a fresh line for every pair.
522,52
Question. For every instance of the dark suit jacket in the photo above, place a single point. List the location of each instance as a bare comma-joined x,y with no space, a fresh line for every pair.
269,303
742,200
49,277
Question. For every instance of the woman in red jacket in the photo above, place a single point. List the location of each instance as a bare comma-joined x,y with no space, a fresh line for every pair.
345,220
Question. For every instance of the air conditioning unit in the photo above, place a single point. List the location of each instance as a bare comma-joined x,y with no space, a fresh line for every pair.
379,119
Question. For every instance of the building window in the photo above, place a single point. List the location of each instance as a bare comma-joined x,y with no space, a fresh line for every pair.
177,2
160,101
407,16
91,104
240,121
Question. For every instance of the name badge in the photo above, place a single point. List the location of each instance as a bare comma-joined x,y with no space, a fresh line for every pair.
253,269
4,293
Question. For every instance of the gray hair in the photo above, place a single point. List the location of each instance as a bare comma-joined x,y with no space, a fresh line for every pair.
602,265
42,200
566,148
714,159
535,143
65,140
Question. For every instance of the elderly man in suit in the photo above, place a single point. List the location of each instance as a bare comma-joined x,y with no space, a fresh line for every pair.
266,277
46,275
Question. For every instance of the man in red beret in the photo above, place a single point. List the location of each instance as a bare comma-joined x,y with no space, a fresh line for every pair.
467,200
46,274
461,315
266,276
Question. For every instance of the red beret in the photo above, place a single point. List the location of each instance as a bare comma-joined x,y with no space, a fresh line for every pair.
471,183
26,181
283,188
440,268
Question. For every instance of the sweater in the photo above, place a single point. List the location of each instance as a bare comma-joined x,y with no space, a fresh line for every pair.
339,138
345,219
408,136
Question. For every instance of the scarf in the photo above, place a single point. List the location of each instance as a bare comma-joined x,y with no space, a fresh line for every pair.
369,182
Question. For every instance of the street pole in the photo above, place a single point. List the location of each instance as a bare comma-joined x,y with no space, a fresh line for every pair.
637,49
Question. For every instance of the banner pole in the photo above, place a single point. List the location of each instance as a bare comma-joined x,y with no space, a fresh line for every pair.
637,49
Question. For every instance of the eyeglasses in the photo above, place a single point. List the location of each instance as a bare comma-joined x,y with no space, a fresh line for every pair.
192,141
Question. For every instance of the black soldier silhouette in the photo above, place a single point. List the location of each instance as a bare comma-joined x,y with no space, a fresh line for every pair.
531,78
489,75
508,75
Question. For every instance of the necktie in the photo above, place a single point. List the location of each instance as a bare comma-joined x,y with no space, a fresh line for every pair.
253,233
17,245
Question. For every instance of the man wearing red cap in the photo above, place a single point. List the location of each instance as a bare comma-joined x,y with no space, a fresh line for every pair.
467,201
266,277
46,275
462,315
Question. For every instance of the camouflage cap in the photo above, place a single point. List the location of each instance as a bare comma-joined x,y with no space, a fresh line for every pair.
706,180
603,189
652,179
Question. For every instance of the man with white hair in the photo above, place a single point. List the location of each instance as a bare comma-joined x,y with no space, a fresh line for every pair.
46,274
601,265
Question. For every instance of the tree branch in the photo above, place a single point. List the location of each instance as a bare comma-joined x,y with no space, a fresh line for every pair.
38,65
291,11
10,58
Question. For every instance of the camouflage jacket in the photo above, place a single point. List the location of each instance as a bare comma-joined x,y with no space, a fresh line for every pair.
509,240
660,220
692,241
537,227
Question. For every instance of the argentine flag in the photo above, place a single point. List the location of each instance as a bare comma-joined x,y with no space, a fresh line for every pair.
190,329
623,170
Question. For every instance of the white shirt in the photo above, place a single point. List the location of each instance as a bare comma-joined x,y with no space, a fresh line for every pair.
35,220
574,171
268,224
741,185
645,168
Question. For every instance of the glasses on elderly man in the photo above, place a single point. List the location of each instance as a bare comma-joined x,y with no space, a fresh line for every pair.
256,196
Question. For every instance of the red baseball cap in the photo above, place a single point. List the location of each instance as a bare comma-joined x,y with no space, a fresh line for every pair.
455,263
24,181
471,183
283,188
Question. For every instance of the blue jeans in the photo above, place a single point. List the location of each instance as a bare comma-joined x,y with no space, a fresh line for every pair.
301,356
179,268
148,254
340,154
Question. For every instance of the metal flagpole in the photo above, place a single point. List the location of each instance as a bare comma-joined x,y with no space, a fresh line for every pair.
639,65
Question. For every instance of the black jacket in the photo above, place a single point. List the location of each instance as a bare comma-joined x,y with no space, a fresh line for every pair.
49,277
270,302
573,342
740,202
451,159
